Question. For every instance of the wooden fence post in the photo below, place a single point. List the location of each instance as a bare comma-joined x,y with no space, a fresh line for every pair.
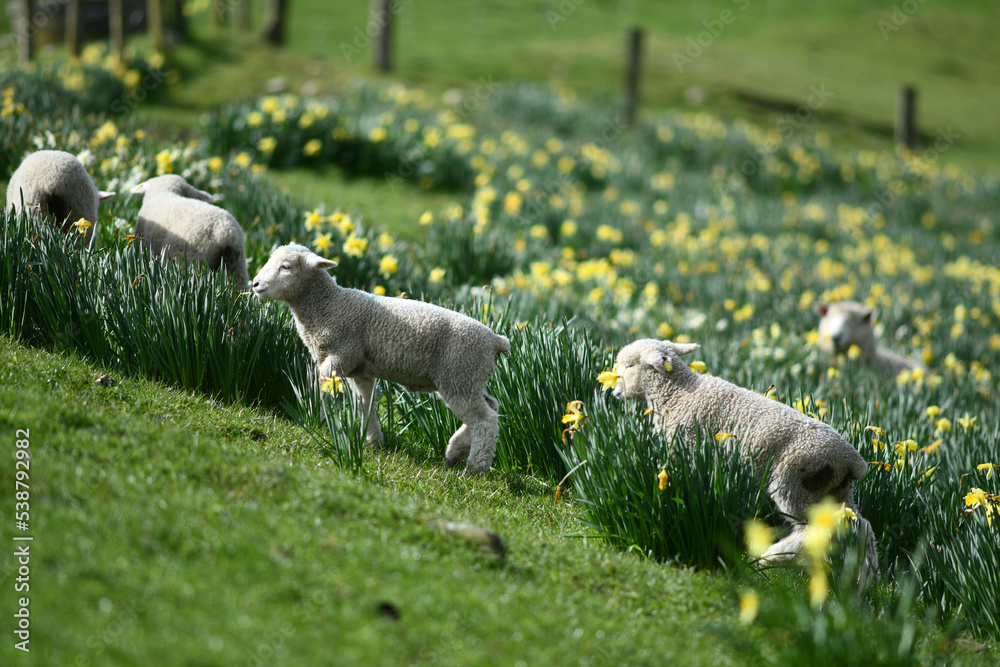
154,20
632,75
906,117
72,28
382,19
26,31
274,31
116,20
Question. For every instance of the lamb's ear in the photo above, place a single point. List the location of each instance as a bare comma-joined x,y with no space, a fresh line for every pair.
192,192
658,359
821,308
102,195
869,315
314,261
685,348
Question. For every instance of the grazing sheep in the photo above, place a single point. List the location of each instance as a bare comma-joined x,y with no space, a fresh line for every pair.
846,323
809,459
180,217
58,185
360,337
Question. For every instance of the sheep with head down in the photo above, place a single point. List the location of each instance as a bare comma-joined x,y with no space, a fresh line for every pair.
360,336
56,184
809,459
182,219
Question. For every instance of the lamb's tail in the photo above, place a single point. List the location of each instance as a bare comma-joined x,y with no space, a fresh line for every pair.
503,344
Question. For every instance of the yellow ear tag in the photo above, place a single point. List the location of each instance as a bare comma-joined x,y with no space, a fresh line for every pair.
668,365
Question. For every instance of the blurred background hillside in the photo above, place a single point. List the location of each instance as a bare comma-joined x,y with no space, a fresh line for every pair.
753,59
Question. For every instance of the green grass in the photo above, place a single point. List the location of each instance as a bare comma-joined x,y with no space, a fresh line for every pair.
761,67
671,237
147,500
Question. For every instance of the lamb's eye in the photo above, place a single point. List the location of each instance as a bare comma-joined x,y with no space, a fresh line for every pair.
285,267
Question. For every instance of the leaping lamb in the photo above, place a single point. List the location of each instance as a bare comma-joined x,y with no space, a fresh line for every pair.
58,185
809,459
180,217
846,323
360,337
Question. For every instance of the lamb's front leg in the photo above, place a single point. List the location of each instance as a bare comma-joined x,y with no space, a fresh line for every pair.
364,392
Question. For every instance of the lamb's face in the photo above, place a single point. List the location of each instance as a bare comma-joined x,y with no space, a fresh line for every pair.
645,361
286,272
843,324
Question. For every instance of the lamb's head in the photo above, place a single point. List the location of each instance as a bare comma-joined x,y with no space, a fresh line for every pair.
288,273
845,323
174,184
647,362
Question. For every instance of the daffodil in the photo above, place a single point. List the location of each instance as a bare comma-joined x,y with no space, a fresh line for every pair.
312,147
698,366
932,448
749,607
989,467
662,479
758,537
819,588
313,220
436,275
933,411
426,218
322,242
722,437
388,265
332,385
355,246
82,225
608,379
967,422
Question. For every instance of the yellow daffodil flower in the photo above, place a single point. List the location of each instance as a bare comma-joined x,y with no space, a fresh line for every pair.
663,479
608,379
749,606
758,537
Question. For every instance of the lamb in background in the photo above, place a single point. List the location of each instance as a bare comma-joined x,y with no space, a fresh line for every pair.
58,185
846,323
809,459
180,217
360,337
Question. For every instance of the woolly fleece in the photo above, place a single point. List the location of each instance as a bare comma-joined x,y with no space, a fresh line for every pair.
180,217
809,459
361,337
59,184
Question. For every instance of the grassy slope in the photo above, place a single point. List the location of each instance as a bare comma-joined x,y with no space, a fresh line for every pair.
147,501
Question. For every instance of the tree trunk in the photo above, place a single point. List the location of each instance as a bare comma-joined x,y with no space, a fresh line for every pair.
73,27
154,19
274,30
117,25
26,31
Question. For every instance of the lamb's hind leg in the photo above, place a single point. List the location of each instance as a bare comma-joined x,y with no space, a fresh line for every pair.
364,392
478,434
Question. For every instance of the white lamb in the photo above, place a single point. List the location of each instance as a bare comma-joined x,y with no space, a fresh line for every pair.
809,459
56,183
846,323
181,218
360,337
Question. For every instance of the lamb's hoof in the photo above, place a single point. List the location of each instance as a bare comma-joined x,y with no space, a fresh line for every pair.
452,462
477,469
